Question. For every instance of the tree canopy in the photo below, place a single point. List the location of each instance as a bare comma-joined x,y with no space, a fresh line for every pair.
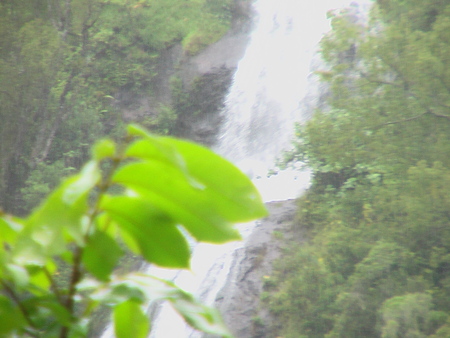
377,213
63,66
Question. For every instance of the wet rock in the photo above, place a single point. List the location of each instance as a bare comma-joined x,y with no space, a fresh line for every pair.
239,301
213,67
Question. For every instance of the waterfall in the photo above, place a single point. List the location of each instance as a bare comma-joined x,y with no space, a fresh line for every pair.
271,89
263,103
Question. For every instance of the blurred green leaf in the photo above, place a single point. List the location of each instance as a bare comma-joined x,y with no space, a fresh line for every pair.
9,228
152,149
58,311
11,318
127,291
44,230
158,237
100,255
135,130
199,316
18,274
234,194
103,149
194,313
130,321
39,278
167,189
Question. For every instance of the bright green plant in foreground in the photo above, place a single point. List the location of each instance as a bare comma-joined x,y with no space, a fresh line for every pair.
141,192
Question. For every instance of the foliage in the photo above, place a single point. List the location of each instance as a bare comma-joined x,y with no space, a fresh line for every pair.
41,182
168,188
64,66
377,212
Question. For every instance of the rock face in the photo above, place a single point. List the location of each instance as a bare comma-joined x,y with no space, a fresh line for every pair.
212,68
239,301
201,104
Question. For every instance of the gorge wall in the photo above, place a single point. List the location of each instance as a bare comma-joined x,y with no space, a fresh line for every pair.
193,86
239,301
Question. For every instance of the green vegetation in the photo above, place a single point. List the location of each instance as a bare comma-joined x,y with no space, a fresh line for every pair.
137,193
67,69
377,215
64,66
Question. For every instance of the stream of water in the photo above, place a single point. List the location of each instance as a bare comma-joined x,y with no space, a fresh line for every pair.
261,107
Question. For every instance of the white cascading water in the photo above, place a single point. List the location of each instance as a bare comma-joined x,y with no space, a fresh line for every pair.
260,110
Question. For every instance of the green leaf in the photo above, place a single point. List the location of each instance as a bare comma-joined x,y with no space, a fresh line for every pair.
195,314
29,252
130,321
19,275
9,228
152,149
124,291
135,130
199,316
11,318
157,235
39,278
130,242
64,210
81,184
166,188
195,186
100,255
103,149
61,314
234,194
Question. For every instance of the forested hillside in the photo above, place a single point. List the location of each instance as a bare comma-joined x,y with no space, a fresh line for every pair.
63,64
378,213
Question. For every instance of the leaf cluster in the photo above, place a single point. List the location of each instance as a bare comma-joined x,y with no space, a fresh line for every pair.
169,190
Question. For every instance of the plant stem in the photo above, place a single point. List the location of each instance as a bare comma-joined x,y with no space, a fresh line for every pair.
77,272
75,278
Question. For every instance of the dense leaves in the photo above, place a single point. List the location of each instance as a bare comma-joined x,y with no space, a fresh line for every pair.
66,69
140,192
377,212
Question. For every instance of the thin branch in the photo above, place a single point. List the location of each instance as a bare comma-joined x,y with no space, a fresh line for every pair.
411,119
98,14
410,93
106,183
77,272
399,121
439,115
365,76
444,105
75,278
